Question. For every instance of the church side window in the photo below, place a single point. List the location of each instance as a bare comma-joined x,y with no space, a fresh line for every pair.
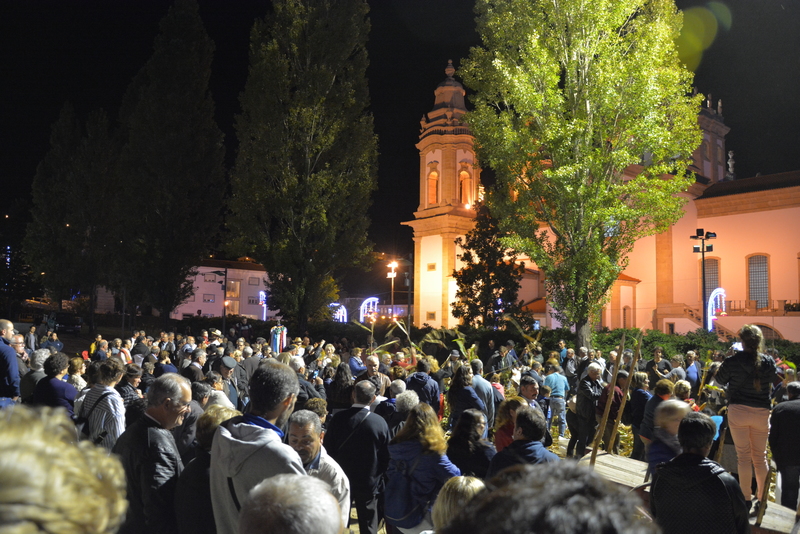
712,277
758,280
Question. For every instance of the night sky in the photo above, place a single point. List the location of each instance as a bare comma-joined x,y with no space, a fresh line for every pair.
86,52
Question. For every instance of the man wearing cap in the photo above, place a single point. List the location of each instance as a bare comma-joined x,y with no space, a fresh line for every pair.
229,382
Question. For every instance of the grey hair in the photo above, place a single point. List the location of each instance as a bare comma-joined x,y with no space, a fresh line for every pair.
281,504
477,366
247,352
406,400
38,357
364,392
596,366
373,359
197,354
306,417
297,363
584,350
397,387
166,386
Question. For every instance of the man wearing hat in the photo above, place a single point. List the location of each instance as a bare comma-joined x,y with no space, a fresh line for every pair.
214,336
229,381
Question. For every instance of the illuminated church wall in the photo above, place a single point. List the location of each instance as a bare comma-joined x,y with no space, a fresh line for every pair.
661,286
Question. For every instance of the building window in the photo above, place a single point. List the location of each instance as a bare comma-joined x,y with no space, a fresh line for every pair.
431,266
208,297
465,187
770,334
232,291
430,316
252,281
758,280
209,277
252,301
191,298
433,188
671,328
712,277
626,317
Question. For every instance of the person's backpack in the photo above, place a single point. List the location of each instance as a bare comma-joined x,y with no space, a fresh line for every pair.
82,422
399,509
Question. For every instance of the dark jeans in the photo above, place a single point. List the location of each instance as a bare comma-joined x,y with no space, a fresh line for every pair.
586,429
367,510
572,424
638,445
790,484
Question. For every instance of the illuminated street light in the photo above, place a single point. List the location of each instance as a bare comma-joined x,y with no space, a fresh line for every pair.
392,274
702,248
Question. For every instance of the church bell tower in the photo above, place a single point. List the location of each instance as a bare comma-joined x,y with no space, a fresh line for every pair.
449,186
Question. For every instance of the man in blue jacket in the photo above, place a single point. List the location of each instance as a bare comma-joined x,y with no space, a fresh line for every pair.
425,387
527,447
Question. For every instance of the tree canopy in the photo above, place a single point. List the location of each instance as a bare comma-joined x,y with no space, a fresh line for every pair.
172,160
586,115
489,281
307,156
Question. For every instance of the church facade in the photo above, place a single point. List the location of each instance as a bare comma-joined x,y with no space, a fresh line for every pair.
752,272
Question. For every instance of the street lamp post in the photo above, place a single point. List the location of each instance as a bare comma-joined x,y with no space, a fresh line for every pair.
392,275
702,248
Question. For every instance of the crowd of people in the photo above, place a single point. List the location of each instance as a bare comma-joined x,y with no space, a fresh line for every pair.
217,434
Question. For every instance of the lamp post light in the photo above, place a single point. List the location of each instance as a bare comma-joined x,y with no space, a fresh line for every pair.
224,294
392,275
702,248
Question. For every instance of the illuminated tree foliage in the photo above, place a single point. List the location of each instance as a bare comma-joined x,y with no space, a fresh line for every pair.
307,152
582,109
489,282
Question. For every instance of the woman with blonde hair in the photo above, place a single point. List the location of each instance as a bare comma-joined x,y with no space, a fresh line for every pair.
418,462
454,498
504,421
749,375
53,484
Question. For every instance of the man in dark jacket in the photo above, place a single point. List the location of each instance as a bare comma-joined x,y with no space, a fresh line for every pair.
693,493
527,447
784,436
425,387
307,389
140,348
151,460
589,391
359,442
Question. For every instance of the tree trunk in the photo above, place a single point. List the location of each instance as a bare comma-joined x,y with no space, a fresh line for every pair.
583,333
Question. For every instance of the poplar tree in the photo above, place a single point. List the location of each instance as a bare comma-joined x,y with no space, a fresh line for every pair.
70,237
307,156
172,162
586,115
